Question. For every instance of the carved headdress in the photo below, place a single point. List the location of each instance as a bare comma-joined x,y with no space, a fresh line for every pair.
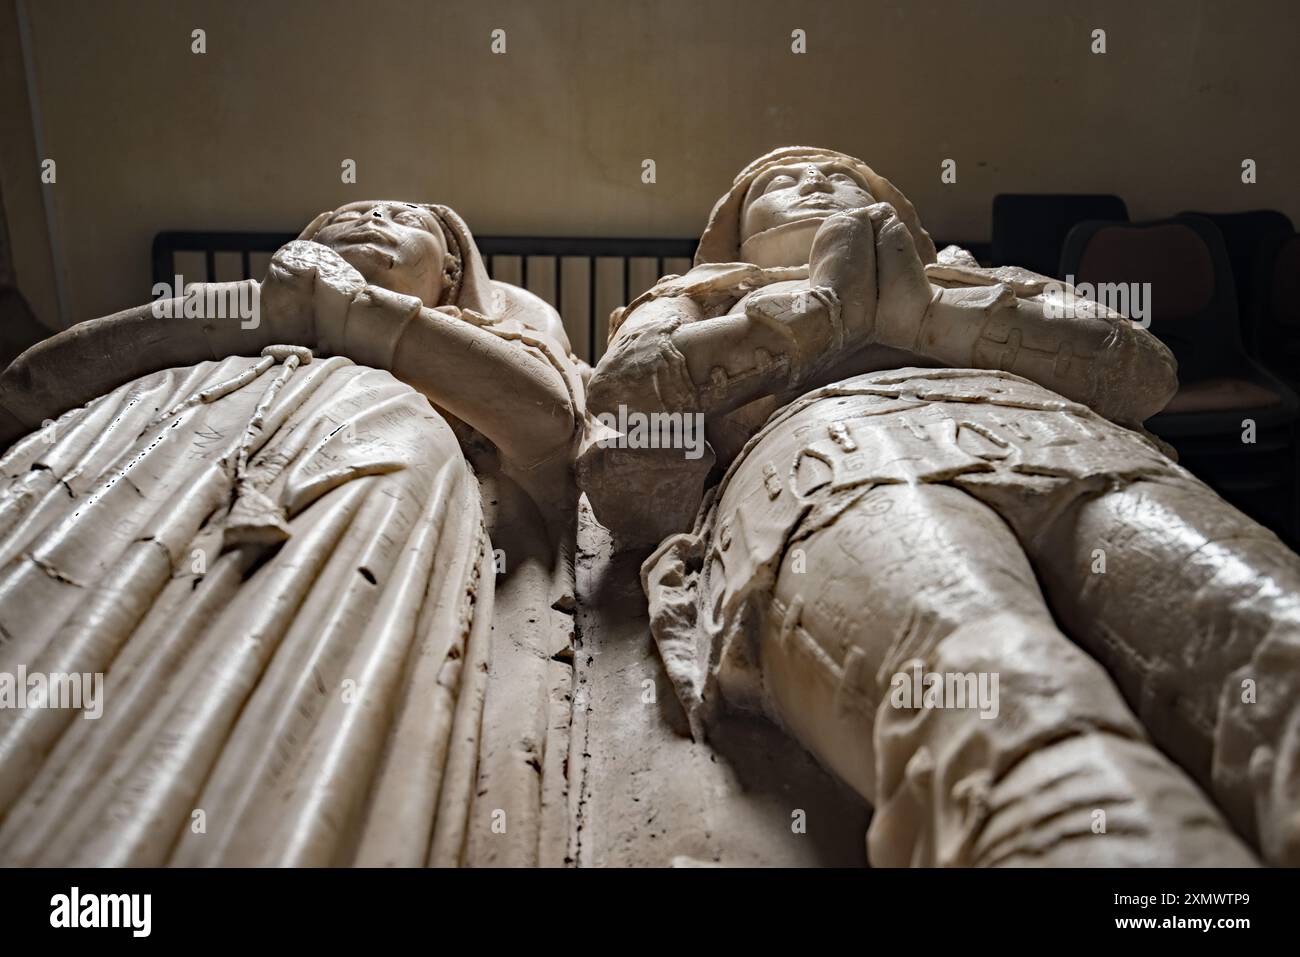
720,242
721,273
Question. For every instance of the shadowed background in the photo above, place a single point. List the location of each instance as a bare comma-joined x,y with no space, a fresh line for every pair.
549,138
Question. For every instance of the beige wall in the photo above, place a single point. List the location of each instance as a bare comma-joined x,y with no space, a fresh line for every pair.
549,138
20,187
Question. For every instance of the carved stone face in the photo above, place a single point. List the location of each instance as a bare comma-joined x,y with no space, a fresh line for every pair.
398,246
801,191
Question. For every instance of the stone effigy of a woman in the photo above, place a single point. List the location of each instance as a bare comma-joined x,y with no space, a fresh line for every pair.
278,537
926,487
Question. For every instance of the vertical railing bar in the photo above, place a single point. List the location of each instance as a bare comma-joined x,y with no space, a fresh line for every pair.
591,309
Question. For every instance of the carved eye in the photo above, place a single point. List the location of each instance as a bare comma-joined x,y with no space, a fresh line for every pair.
779,182
844,178
408,218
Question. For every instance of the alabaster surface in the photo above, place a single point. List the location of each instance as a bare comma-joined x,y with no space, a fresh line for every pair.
352,606
290,545
919,466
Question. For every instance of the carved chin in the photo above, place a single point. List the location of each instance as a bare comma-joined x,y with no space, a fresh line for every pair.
784,245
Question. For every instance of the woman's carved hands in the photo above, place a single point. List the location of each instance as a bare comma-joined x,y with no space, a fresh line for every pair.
306,293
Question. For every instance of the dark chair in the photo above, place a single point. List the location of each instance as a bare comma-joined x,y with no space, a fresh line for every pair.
1276,308
1251,238
1222,389
1029,229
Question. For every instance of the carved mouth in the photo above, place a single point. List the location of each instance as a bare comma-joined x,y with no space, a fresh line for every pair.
815,202
362,253
369,234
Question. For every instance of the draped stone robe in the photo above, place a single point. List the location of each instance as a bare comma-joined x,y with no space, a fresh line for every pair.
298,578
308,701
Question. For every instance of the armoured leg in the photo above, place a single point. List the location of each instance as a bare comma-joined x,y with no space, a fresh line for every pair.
1050,768
1195,611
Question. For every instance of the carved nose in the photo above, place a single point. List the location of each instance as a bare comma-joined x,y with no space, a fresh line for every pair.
814,180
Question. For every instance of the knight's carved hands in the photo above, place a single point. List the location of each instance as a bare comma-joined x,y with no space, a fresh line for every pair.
808,320
905,293
996,319
868,257
867,285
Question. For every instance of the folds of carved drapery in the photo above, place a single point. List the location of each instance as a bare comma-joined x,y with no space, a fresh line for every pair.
281,571
521,815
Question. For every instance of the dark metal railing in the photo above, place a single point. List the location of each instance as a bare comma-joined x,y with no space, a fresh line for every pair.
556,249
581,318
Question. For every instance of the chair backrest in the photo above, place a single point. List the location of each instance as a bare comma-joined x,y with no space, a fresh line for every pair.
1191,296
1277,310
1250,237
583,278
1029,229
